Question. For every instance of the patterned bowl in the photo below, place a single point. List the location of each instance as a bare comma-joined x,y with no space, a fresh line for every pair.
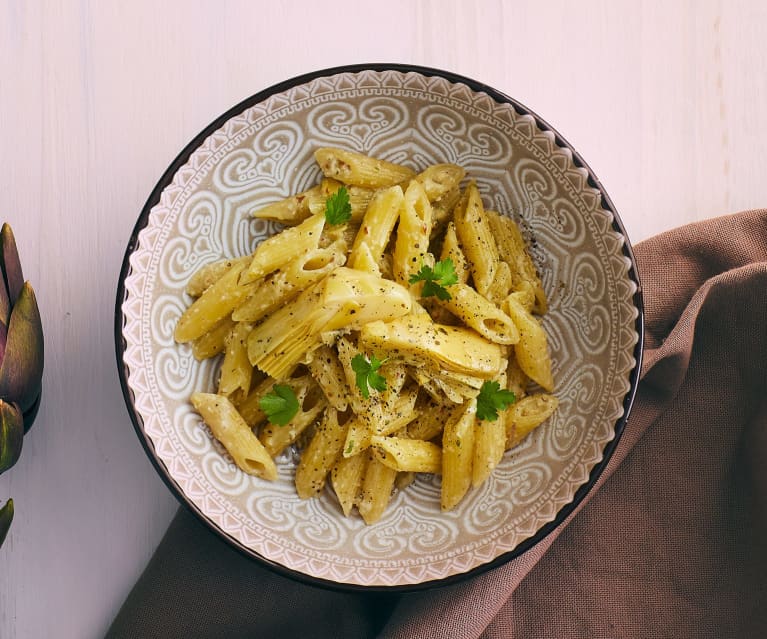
260,151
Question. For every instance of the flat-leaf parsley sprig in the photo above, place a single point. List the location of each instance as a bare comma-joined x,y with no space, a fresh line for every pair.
367,375
280,405
491,399
436,279
338,209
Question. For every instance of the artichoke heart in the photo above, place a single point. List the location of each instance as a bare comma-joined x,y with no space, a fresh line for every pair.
419,341
346,299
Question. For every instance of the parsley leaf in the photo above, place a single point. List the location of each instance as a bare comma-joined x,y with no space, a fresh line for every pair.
491,399
436,279
367,377
280,405
338,209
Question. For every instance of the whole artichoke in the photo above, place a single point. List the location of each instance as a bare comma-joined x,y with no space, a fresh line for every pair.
21,361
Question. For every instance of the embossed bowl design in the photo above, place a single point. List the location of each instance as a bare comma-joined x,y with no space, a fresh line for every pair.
260,151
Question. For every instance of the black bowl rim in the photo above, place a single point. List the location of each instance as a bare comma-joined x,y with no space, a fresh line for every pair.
167,178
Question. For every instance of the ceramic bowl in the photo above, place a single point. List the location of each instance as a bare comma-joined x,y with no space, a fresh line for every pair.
261,151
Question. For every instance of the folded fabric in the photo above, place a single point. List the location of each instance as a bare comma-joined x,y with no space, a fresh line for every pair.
671,542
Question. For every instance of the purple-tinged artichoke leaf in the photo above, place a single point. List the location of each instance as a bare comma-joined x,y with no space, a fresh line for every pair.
9,256
5,303
6,517
31,413
11,435
21,371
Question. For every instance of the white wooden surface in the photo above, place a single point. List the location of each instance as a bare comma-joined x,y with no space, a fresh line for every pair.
665,100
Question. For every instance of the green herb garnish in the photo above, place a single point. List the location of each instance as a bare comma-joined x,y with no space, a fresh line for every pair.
367,377
338,209
436,279
491,399
280,405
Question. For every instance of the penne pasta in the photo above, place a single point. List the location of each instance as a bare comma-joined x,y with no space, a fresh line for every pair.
357,169
230,429
476,237
331,353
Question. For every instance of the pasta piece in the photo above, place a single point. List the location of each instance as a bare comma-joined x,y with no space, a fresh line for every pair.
531,351
377,487
512,249
311,403
409,455
294,209
476,238
489,446
430,420
483,316
214,341
416,340
209,274
320,455
286,283
218,301
452,250
250,407
359,197
236,371
413,232
360,170
438,180
231,430
346,478
517,381
527,414
327,371
377,225
280,249
458,456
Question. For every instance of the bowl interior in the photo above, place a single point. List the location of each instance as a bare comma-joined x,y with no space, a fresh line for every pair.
264,153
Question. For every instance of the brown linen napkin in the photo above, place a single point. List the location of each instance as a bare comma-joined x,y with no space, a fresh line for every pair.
672,543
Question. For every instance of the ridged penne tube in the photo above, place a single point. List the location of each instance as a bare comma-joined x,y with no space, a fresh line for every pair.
326,370
527,414
458,456
360,170
359,197
214,341
451,249
409,455
281,248
364,260
398,412
346,479
442,210
236,370
344,299
512,249
311,403
235,435
532,353
377,486
489,446
218,301
377,225
209,274
413,232
476,237
438,180
416,340
479,313
280,287
358,436
292,210
320,455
